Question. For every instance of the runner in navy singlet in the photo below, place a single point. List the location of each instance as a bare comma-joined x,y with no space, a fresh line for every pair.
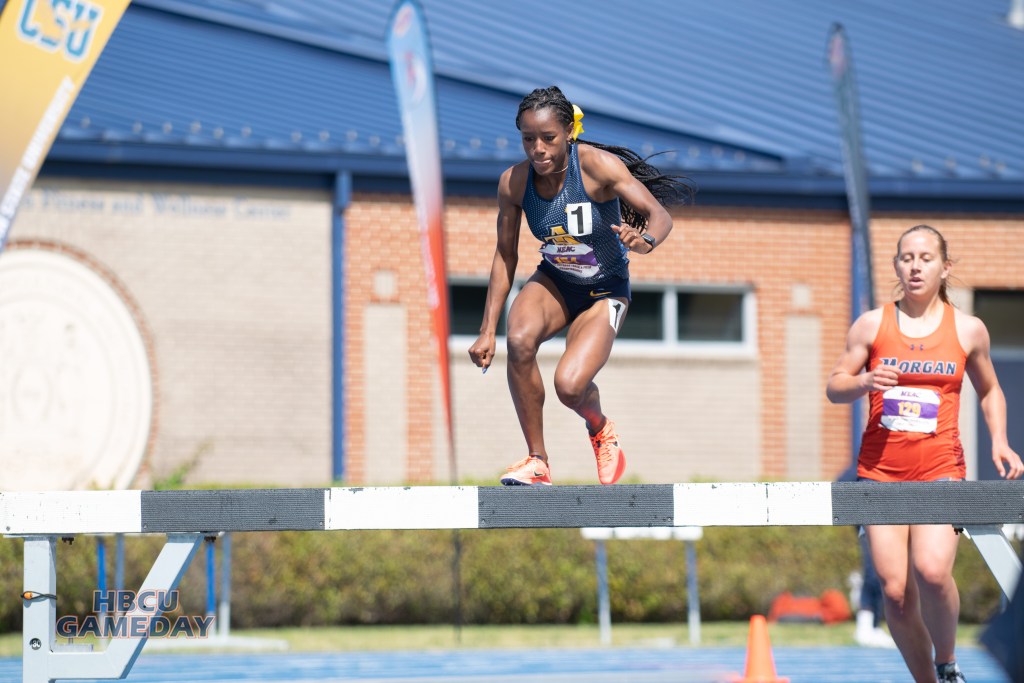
589,205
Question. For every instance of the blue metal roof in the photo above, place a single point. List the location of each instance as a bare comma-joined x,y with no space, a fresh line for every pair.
738,88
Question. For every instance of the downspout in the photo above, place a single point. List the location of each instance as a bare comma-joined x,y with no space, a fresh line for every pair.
342,199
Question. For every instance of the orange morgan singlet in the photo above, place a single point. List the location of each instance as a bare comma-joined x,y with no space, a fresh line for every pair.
913,432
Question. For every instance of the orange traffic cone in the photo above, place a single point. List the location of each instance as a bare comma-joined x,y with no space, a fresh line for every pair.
760,663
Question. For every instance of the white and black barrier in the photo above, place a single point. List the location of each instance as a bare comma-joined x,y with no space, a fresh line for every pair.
187,517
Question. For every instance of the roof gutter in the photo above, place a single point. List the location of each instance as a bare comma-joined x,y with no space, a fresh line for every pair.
87,156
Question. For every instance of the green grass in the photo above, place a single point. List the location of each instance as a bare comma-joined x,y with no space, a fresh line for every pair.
368,638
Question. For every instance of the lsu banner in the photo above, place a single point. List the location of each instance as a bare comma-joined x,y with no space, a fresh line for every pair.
47,49
413,74
840,62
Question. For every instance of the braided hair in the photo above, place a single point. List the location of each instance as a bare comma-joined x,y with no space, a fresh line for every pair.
668,190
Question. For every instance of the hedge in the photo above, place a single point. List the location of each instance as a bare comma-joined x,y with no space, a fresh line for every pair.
512,576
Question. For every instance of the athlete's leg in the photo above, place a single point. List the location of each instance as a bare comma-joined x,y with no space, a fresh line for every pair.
932,554
587,348
537,314
890,550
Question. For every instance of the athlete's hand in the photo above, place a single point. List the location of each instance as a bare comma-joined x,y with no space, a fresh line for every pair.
631,238
1013,468
482,351
882,378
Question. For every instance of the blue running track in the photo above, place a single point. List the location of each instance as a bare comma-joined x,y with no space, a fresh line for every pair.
612,665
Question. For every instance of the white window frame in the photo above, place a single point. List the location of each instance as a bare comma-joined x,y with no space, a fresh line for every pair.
669,346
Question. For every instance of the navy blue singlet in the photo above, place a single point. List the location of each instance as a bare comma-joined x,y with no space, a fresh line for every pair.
579,245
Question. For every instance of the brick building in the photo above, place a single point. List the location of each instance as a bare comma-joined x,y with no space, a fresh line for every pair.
245,199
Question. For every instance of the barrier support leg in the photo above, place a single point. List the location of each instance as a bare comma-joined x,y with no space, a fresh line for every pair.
692,593
224,607
42,660
604,608
998,554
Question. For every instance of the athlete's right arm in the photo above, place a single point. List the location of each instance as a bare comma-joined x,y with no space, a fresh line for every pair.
848,381
503,266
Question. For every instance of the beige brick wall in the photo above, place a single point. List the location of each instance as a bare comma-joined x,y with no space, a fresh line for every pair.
234,289
677,419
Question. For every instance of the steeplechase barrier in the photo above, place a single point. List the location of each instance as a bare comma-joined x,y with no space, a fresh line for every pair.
187,517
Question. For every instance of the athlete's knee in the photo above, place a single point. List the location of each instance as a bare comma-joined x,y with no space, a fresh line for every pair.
895,593
933,575
522,345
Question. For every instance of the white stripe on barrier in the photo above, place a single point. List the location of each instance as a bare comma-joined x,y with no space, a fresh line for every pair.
420,507
654,533
752,504
71,512
800,503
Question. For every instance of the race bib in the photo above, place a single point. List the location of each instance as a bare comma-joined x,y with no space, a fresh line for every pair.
910,410
579,219
573,259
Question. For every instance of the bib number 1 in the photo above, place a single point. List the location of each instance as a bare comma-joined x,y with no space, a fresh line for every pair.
578,219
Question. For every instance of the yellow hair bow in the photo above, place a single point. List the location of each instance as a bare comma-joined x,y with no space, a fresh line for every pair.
577,127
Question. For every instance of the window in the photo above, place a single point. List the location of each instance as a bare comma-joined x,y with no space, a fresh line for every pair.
467,309
644,319
691,316
712,318
1002,312
709,316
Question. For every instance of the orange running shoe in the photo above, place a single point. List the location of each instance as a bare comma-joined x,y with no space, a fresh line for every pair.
530,471
611,461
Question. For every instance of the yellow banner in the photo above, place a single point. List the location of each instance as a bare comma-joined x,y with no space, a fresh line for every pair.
47,49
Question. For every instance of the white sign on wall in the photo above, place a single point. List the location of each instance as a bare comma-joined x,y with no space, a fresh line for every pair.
76,395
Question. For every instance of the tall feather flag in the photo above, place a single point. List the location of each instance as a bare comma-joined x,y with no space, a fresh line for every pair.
840,62
854,171
47,49
413,74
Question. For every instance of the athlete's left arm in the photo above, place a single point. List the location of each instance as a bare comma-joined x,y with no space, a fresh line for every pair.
610,172
990,394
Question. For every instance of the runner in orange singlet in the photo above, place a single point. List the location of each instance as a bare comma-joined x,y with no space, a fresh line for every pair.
910,357
912,432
